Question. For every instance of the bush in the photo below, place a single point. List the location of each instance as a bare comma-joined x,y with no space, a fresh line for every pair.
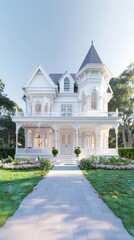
86,163
14,160
126,153
77,151
55,151
5,152
45,163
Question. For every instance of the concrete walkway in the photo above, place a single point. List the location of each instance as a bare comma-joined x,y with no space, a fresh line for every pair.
63,206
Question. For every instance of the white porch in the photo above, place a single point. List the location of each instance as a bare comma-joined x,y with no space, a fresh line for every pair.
92,140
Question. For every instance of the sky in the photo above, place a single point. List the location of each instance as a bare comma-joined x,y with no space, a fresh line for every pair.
58,35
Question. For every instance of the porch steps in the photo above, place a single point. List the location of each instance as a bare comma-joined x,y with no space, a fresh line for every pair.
65,160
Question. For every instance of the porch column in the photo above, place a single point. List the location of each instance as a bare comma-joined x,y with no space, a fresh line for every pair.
33,138
25,133
76,140
56,137
98,138
43,139
87,140
87,103
116,131
106,137
87,143
16,139
17,129
80,140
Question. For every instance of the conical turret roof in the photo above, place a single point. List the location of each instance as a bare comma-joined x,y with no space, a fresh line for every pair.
91,57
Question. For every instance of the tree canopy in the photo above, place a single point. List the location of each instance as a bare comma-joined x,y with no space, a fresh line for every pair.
7,126
123,99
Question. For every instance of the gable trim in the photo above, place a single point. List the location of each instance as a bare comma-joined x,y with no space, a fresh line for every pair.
37,68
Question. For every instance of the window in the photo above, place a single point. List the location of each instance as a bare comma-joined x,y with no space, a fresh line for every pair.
66,110
38,108
38,140
66,84
94,100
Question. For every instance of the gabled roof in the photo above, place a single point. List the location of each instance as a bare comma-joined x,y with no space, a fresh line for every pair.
91,57
56,76
39,69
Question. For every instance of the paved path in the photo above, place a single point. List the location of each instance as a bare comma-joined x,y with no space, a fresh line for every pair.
63,206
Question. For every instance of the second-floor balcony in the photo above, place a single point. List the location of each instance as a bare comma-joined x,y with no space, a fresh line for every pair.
67,114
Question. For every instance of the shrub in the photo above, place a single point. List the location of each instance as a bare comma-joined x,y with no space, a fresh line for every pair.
126,153
55,151
14,160
45,163
77,151
86,163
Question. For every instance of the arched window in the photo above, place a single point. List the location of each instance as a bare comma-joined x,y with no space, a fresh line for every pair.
94,100
38,108
66,84
84,105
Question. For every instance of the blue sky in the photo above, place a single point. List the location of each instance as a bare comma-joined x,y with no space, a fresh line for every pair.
58,34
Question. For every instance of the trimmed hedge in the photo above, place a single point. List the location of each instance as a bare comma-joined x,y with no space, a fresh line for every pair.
126,153
5,152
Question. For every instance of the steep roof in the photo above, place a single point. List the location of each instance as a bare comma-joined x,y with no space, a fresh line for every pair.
91,57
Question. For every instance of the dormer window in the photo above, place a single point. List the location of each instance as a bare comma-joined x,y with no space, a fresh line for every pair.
66,84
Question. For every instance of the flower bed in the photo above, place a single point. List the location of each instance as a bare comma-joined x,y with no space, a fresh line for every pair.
103,166
106,163
40,163
21,165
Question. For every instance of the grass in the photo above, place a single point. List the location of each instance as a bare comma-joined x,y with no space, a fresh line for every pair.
14,186
116,188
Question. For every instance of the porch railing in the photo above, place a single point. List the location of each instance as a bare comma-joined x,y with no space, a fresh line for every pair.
84,151
67,114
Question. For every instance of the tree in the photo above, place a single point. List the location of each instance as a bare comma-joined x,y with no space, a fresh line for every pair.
7,106
123,99
7,127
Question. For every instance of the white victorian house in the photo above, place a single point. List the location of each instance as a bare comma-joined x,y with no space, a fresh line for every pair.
67,111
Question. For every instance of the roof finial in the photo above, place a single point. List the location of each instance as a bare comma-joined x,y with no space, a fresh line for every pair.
92,42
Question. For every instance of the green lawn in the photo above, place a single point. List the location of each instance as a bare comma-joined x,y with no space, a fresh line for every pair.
116,188
14,186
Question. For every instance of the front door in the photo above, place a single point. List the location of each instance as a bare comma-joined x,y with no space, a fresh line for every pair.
66,144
